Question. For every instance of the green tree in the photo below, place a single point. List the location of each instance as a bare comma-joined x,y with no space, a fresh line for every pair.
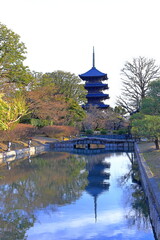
69,84
120,110
151,104
75,115
154,89
11,111
146,126
12,55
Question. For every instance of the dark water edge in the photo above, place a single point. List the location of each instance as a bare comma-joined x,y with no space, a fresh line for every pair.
52,195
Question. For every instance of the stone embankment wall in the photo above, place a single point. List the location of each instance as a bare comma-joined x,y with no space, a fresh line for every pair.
152,191
21,153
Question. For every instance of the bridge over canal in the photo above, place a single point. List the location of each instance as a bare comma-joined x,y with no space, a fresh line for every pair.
95,143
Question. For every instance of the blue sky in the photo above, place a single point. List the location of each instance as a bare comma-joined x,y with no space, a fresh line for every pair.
60,34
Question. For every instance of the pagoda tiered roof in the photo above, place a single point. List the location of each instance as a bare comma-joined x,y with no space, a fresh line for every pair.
93,72
99,105
97,95
96,84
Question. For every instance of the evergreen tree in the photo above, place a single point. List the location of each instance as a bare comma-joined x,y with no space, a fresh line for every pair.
13,73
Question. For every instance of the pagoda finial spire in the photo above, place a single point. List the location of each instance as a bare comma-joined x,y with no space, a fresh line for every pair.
93,58
95,208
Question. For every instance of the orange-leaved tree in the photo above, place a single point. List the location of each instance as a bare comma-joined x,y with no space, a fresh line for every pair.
48,104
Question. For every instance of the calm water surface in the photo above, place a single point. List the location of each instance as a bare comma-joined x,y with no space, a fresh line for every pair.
61,196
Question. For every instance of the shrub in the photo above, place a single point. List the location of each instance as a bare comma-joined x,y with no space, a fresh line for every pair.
59,131
40,122
21,131
115,131
121,131
103,131
89,132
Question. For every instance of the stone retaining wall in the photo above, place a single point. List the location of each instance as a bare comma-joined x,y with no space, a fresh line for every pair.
20,153
152,191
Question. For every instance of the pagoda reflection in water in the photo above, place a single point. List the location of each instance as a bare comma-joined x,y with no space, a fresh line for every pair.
98,178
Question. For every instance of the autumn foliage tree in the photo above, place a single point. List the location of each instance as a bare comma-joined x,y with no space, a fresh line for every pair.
46,103
56,97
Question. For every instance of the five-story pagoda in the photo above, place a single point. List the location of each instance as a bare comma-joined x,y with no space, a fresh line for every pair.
95,86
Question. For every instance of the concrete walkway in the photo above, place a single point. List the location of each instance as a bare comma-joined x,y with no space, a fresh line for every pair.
44,140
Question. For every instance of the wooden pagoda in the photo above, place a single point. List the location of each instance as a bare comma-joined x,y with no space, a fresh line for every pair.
94,84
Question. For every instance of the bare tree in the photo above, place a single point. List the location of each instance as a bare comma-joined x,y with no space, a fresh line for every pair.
136,78
102,119
94,118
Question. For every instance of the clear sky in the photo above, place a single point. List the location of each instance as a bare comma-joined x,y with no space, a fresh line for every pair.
60,34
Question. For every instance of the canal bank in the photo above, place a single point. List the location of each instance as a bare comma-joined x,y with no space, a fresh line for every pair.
151,189
21,153
38,146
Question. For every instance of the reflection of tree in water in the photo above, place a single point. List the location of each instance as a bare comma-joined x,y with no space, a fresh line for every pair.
97,177
137,212
55,180
13,225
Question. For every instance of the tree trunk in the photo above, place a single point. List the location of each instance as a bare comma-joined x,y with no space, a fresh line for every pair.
156,143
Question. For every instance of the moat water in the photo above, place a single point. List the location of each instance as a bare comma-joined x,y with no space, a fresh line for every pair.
73,197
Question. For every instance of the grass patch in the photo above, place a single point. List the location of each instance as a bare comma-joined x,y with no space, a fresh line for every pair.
152,157
153,161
